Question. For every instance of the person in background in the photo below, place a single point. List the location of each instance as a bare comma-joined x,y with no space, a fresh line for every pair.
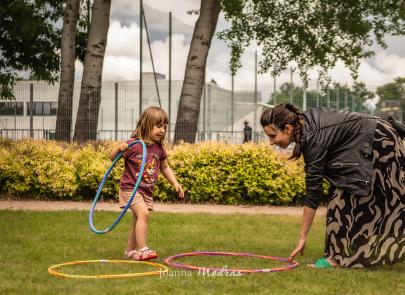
247,132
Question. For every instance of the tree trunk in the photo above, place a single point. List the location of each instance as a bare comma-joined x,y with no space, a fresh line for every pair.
189,107
90,92
67,75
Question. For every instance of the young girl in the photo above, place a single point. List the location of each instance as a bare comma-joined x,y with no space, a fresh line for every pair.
363,158
151,129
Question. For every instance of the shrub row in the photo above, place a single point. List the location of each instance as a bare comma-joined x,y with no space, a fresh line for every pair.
209,172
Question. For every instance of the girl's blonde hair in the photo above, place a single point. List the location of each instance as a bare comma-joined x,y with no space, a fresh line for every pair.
150,117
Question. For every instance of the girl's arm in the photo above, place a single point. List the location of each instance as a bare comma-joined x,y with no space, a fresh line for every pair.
168,173
308,217
122,147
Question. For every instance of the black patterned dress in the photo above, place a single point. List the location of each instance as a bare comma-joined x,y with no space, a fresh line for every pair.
370,230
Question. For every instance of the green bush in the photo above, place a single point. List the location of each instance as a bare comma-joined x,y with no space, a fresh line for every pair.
234,174
91,163
209,172
38,169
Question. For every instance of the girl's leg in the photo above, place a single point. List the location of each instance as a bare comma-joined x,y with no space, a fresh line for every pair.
141,225
131,244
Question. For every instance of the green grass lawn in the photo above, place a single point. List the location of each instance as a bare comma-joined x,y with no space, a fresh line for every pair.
32,241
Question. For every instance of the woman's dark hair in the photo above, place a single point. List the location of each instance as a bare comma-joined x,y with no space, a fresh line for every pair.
282,115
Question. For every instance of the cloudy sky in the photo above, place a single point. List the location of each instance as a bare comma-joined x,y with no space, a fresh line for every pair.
122,54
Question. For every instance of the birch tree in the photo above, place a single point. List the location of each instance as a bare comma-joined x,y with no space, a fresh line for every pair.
68,58
90,92
190,98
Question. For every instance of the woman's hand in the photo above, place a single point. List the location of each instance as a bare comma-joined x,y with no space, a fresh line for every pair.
179,190
298,249
308,217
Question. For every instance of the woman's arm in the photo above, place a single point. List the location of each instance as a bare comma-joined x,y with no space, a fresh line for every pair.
122,147
308,217
168,173
315,162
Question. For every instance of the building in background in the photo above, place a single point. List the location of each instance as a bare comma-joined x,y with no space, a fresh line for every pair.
150,76
220,119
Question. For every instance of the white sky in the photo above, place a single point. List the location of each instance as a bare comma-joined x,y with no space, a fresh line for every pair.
122,54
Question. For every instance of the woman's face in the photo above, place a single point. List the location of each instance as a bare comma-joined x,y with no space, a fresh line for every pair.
281,138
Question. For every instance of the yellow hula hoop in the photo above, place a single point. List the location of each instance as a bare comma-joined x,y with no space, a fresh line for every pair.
162,269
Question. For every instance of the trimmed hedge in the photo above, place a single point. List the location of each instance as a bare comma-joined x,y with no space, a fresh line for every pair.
51,170
209,172
234,174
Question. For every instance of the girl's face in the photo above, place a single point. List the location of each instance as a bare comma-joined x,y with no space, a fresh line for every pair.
158,132
281,138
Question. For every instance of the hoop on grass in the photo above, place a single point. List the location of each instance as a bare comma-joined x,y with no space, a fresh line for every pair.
170,261
100,187
53,269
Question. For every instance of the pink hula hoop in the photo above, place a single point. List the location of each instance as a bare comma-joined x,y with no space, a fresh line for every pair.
170,261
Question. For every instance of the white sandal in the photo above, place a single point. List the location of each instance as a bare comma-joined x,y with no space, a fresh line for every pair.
131,254
145,254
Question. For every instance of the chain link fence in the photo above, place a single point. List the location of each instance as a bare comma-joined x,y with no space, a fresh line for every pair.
222,115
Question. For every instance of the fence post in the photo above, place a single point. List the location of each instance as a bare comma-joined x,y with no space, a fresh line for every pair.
116,111
346,106
140,54
15,120
256,100
169,127
204,111
31,109
232,105
209,111
337,100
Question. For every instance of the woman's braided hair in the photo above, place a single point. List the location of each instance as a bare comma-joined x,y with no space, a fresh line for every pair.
282,115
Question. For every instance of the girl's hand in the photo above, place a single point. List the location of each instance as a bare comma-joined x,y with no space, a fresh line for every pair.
298,249
179,190
123,146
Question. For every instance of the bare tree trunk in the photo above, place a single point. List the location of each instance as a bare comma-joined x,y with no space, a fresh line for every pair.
90,92
189,107
67,74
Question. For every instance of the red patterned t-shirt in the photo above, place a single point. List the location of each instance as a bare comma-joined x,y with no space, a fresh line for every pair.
133,159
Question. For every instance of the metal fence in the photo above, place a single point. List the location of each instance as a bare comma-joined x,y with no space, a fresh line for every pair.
222,111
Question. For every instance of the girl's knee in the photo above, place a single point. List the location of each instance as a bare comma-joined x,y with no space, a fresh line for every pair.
143,214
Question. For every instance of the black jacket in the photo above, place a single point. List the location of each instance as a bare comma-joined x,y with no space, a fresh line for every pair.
336,145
